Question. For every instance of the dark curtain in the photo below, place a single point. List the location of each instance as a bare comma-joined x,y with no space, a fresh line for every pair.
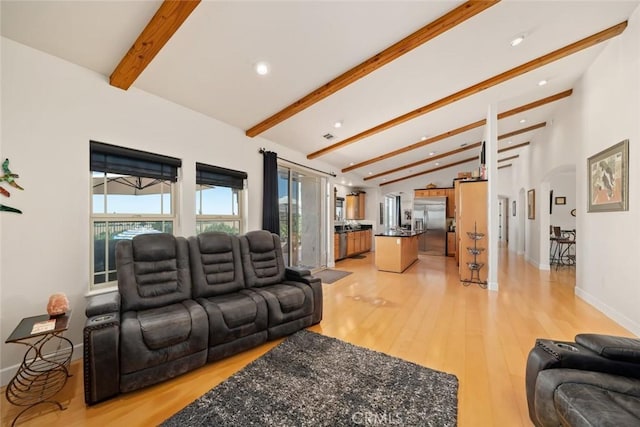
270,217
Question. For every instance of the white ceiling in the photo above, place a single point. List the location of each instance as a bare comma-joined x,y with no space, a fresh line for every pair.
208,64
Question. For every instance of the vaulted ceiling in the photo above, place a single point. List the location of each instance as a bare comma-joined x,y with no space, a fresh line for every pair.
409,81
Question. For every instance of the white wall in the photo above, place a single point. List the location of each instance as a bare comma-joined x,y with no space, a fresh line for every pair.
603,110
608,243
50,111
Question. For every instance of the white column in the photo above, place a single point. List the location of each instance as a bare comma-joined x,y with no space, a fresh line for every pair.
491,158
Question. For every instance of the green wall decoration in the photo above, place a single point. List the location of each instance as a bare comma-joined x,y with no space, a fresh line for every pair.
9,178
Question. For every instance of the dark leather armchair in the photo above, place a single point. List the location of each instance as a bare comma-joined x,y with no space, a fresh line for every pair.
237,316
594,381
294,297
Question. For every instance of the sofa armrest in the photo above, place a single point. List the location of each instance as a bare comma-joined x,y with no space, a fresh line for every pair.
101,345
612,347
304,276
296,273
103,304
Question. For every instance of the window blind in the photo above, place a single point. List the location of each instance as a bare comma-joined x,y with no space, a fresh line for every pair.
127,161
221,177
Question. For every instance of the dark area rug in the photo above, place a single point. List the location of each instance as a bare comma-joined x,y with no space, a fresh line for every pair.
314,380
330,276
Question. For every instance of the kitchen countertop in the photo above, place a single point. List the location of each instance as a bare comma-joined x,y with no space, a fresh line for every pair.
400,233
339,229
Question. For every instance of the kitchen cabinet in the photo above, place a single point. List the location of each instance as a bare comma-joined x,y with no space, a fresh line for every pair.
449,193
451,202
355,206
357,242
351,243
396,253
452,242
471,217
336,246
431,192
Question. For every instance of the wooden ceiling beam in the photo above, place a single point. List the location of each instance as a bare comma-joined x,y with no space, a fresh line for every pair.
483,85
536,104
523,130
431,170
514,111
418,144
504,166
452,152
166,21
524,144
427,160
509,158
418,38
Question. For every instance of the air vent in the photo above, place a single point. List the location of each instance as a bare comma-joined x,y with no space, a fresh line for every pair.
327,136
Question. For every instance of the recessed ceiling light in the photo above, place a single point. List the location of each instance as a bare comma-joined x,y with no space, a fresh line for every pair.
424,138
432,153
523,120
384,179
350,184
262,68
516,41
542,82
509,142
351,164
337,124
437,163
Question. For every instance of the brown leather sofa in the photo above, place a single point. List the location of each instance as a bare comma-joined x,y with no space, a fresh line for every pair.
182,303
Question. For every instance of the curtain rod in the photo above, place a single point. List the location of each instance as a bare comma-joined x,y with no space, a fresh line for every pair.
264,150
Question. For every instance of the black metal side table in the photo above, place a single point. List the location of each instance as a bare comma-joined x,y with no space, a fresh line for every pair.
45,367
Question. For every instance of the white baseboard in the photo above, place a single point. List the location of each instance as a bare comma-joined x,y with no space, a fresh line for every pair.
615,315
9,372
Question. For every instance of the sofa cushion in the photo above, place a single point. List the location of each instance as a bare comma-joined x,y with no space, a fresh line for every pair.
287,301
216,266
165,326
137,343
237,309
593,405
290,297
262,258
153,271
234,316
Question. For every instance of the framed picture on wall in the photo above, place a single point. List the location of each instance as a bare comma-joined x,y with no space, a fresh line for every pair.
608,173
531,204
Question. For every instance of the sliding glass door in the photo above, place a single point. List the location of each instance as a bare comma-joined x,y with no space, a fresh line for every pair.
302,218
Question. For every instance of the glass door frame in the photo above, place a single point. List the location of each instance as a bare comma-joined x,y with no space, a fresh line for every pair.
323,195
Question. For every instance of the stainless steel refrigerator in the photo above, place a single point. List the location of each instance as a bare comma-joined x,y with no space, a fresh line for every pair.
431,213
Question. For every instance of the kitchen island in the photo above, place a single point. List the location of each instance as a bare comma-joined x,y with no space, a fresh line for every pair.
396,251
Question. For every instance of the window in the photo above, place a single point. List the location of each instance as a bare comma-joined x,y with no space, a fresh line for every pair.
219,199
133,193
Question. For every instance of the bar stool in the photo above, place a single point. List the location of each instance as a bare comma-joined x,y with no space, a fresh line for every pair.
556,234
564,246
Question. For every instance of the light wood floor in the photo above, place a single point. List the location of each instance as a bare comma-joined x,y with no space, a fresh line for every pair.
424,315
